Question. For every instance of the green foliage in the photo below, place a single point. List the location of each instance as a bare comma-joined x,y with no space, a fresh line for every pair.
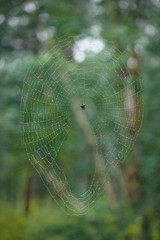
52,224
23,32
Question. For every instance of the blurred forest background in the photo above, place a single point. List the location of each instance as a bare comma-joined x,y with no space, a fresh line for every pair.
26,209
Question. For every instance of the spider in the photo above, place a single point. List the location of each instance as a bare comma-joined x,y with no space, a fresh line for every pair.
82,106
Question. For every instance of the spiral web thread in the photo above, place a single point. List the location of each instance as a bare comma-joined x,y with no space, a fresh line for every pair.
54,89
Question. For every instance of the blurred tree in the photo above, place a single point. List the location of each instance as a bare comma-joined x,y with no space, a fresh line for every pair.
26,25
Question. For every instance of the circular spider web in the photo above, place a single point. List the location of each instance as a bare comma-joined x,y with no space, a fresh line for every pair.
80,118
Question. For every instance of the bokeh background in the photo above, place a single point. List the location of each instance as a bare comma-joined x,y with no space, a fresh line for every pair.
26,209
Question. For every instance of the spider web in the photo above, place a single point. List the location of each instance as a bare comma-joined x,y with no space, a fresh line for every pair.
62,141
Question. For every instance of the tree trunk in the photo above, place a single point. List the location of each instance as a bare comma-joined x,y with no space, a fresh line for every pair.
130,170
28,190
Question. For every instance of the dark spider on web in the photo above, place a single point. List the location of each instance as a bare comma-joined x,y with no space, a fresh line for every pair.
82,106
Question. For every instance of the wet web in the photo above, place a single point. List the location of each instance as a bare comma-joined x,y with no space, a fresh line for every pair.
78,116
